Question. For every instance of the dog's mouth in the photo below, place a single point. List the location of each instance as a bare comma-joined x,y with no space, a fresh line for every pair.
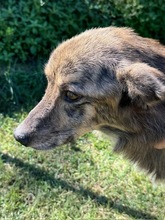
49,145
44,139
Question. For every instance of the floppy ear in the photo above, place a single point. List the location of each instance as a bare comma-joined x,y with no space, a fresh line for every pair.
143,85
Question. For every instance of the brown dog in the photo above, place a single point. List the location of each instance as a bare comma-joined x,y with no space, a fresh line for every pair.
107,79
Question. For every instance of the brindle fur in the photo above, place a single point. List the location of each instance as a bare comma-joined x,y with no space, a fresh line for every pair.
120,78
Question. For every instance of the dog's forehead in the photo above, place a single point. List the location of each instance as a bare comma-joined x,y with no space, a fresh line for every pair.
88,48
62,72
63,68
76,58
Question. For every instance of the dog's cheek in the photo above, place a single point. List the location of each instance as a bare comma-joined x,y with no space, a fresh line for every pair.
82,118
73,113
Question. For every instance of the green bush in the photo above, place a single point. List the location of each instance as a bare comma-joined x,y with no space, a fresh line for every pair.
146,17
33,28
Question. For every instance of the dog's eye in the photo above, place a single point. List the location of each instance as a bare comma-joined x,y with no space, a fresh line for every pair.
71,96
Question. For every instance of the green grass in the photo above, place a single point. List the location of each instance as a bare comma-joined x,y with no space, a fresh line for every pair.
86,181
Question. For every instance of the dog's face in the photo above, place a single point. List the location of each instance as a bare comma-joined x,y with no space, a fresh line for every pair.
88,83
64,113
72,102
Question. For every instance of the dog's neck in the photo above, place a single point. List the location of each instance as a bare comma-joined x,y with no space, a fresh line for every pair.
109,130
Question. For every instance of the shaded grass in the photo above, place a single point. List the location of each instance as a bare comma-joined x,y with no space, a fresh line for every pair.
84,181
21,85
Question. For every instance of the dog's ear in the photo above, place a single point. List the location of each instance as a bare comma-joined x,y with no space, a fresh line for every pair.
142,85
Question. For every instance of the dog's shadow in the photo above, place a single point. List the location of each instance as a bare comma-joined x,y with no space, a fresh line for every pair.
101,200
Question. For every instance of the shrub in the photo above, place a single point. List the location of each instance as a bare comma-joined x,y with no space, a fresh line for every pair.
146,17
33,28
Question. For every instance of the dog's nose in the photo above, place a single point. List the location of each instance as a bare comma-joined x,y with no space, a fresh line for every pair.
24,139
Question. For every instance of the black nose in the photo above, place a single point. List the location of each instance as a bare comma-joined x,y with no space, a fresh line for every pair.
24,139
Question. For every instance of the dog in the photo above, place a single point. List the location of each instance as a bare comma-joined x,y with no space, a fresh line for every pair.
108,79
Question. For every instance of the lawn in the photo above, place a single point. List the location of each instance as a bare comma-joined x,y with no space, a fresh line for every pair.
85,181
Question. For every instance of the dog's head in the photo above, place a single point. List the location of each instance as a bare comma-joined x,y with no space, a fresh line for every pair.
86,82
76,86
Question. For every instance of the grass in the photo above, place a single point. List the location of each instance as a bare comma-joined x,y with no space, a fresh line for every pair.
86,181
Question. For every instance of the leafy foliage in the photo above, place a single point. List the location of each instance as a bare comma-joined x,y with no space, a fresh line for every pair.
34,28
146,17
